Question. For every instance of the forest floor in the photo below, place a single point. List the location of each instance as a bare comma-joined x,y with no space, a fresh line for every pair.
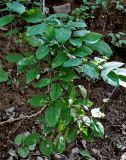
13,103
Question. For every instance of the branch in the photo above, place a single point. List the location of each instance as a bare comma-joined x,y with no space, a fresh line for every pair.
42,6
11,120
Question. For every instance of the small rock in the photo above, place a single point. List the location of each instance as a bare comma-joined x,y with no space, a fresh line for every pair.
84,143
66,8
92,159
10,158
96,152
39,158
3,29
10,109
123,157
75,150
57,156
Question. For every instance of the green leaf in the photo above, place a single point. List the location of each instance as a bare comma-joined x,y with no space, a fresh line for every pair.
101,47
38,100
83,91
19,139
3,76
59,59
37,29
33,40
16,6
12,152
84,102
67,74
122,81
71,135
26,61
85,153
86,133
12,32
121,72
72,62
43,83
80,33
23,152
112,65
52,114
92,37
6,19
113,79
14,57
55,92
46,147
32,139
97,128
42,52
33,15
91,70
73,94
59,144
32,74
110,77
83,51
65,116
75,42
63,34
50,32
76,24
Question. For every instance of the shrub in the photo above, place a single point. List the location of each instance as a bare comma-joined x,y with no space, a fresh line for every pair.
66,48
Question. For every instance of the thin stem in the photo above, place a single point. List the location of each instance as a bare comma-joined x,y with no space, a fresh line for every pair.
11,120
42,6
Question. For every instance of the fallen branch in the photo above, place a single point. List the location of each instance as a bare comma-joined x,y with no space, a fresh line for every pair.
11,120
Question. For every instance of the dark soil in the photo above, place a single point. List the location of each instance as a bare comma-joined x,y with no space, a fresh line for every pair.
13,100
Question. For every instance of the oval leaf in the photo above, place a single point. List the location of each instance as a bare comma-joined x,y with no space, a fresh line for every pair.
63,34
59,59
46,147
71,135
43,83
75,42
37,29
52,114
91,70
38,100
59,144
101,47
92,37
42,52
83,51
3,76
32,74
14,57
23,152
16,6
72,62
6,19
32,139
97,128
55,92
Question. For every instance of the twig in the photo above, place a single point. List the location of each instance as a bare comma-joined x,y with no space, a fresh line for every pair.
42,6
109,98
11,120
